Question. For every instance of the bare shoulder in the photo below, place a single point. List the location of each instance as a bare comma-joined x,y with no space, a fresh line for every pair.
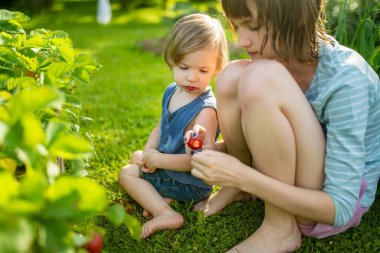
235,66
207,118
206,114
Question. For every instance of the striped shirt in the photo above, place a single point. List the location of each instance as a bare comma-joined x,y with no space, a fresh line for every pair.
345,95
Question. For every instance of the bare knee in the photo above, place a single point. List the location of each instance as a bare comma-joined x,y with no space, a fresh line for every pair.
261,82
128,172
228,79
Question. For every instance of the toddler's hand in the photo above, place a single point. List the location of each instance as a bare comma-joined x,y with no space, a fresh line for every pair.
148,170
194,139
148,158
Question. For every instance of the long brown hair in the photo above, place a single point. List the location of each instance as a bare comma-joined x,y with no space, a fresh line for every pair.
294,25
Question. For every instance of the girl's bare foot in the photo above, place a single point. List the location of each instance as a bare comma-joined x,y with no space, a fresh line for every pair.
148,215
268,239
222,198
167,220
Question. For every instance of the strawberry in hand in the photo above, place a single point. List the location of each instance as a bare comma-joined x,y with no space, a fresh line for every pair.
195,143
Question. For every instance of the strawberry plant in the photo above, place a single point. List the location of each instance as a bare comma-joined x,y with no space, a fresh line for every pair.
45,210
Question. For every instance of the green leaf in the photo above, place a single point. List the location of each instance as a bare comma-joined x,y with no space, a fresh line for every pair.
33,133
16,234
35,41
30,63
8,56
77,196
82,74
67,113
16,15
73,101
10,189
11,26
77,168
4,129
61,34
84,59
133,226
32,194
16,40
33,186
27,101
20,82
54,131
40,31
63,206
116,214
69,147
67,54
58,69
93,196
55,236
14,135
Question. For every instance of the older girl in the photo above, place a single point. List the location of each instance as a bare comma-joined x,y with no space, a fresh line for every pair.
300,123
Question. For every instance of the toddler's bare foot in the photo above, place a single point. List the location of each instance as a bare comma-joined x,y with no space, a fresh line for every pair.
222,198
148,215
166,220
268,239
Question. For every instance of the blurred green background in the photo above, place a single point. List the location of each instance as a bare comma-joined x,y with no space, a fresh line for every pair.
124,98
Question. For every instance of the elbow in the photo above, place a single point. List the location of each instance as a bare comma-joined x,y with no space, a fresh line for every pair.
344,212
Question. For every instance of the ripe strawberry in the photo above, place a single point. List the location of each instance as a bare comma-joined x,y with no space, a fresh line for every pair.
195,143
96,244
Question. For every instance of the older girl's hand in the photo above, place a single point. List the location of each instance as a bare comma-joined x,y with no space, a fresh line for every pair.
217,168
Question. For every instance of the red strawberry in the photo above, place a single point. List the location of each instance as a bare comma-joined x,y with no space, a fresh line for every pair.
96,244
195,143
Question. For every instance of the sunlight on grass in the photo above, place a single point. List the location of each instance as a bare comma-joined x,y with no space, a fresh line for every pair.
141,16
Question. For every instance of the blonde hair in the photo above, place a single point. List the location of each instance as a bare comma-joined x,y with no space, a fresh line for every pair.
294,25
194,32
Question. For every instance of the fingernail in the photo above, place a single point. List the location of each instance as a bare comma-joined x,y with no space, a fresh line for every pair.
199,150
194,135
185,139
192,152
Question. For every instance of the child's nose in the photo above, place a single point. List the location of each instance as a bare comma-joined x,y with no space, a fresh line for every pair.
192,76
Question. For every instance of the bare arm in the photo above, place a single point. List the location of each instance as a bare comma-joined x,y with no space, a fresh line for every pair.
310,204
222,169
154,138
181,162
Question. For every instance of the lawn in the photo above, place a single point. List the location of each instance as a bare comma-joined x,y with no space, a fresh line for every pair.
124,100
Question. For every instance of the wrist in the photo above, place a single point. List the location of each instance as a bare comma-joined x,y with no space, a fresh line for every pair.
153,159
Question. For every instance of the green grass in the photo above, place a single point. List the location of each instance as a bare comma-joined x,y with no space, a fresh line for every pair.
124,101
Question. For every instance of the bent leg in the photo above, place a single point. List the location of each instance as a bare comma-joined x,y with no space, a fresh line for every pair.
286,142
229,117
164,217
134,159
148,215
